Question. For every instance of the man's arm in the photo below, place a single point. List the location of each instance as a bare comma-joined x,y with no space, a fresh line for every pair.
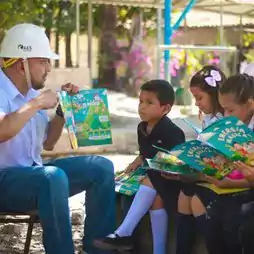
11,124
54,132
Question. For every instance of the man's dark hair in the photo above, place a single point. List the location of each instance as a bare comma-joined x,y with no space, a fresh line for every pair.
163,90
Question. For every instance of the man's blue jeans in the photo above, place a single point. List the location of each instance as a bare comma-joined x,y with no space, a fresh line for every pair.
46,189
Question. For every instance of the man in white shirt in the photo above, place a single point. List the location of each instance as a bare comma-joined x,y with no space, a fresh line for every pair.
25,183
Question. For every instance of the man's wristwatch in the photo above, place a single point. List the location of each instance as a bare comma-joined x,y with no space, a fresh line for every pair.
59,111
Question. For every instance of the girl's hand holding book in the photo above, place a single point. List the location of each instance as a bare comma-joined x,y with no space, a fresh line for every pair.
247,171
224,183
228,183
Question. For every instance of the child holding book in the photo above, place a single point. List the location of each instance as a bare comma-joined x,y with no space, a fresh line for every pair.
155,102
204,86
236,96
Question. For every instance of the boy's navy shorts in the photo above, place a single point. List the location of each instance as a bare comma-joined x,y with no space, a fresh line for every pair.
167,189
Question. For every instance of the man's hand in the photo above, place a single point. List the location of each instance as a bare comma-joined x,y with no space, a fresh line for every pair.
46,100
70,88
247,171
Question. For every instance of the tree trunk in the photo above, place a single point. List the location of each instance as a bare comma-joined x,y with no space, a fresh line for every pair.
68,59
57,33
107,47
48,32
57,47
1,35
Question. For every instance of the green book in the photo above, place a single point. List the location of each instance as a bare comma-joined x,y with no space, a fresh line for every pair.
168,163
87,117
230,137
128,184
213,154
203,158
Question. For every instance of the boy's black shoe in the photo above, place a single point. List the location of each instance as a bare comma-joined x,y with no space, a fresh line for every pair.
114,242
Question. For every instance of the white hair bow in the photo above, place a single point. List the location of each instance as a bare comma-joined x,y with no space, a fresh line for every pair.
213,78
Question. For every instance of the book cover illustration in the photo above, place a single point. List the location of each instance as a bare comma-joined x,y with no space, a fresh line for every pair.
128,183
65,102
167,163
203,158
231,137
87,117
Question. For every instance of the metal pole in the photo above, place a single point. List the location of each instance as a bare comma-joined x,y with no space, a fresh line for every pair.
159,40
235,62
167,36
141,25
90,39
184,14
77,32
241,30
168,30
223,65
205,48
221,25
192,47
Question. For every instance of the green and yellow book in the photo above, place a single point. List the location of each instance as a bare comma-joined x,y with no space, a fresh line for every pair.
87,117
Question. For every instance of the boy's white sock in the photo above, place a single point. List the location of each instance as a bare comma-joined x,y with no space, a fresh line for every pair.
140,205
159,222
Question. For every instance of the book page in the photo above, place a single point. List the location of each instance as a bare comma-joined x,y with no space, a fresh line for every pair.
231,137
167,163
66,105
91,117
203,158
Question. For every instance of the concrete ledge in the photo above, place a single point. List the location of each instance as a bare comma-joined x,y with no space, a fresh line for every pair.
143,243
124,133
124,141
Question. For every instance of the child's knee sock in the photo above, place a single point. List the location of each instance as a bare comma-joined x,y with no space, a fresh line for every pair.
186,233
212,232
141,203
159,222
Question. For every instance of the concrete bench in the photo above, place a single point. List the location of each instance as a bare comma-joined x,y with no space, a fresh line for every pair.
143,235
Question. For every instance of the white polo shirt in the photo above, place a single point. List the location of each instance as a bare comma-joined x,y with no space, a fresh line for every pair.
25,148
209,119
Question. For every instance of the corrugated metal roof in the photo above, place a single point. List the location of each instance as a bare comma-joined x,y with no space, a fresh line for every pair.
197,18
232,7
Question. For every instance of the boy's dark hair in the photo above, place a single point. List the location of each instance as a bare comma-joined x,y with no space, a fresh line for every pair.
241,86
199,80
163,90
